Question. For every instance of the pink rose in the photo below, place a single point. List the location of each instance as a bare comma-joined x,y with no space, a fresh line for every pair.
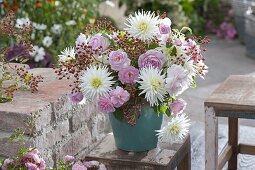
128,75
164,29
178,106
99,41
33,155
68,158
119,96
118,60
31,166
152,58
105,105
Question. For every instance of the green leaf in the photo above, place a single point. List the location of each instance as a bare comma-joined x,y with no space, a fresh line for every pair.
169,45
5,99
174,51
118,114
153,45
168,112
163,108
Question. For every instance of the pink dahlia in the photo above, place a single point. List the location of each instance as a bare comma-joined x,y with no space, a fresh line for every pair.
178,106
119,96
152,58
128,75
118,60
105,105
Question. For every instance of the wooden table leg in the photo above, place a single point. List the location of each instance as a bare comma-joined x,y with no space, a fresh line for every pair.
233,141
211,139
185,163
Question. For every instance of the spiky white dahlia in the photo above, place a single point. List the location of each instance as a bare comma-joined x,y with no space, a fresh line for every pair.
152,83
95,82
67,54
143,25
176,130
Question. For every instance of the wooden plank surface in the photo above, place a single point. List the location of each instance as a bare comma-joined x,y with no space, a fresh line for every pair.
236,93
163,157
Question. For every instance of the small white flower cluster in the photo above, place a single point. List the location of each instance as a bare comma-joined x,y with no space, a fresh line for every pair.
38,53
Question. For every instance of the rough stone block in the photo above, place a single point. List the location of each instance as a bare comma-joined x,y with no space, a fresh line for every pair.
10,148
80,115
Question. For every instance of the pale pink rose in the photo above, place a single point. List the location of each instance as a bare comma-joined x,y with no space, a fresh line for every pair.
178,106
105,105
78,166
119,96
6,163
31,166
118,60
69,158
164,29
177,80
99,41
128,75
33,155
152,58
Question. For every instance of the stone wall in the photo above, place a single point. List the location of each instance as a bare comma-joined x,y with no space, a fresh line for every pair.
58,128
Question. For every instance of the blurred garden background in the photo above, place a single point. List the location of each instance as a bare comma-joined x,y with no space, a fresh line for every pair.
56,24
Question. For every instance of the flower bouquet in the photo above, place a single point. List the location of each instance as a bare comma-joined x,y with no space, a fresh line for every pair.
135,76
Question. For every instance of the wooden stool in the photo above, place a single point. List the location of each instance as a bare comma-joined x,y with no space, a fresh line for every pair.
235,98
165,157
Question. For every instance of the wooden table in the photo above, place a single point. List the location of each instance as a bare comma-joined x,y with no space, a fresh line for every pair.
234,98
164,157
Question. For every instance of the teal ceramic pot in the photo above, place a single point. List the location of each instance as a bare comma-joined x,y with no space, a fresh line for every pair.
142,136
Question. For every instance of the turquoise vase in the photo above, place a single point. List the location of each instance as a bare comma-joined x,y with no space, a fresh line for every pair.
142,136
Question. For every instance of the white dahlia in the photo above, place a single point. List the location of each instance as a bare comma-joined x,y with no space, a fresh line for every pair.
143,25
67,54
176,130
95,82
152,84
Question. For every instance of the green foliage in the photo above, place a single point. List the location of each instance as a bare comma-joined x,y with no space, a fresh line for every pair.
54,12
118,114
